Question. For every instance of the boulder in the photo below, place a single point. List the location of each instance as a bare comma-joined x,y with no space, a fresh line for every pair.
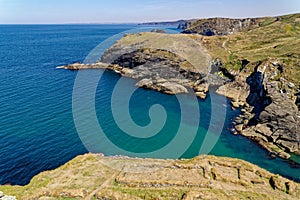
145,83
172,88
201,95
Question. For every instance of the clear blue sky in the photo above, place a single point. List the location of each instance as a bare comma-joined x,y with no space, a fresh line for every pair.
119,11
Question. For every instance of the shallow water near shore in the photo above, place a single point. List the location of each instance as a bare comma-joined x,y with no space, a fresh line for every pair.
37,130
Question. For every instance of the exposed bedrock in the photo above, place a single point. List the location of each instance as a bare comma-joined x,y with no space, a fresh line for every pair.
220,26
269,114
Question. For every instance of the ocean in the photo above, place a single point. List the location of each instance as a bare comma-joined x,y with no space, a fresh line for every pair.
37,128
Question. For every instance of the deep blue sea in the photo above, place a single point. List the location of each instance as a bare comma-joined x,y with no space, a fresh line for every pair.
37,129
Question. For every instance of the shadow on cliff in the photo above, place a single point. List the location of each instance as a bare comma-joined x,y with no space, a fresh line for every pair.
258,97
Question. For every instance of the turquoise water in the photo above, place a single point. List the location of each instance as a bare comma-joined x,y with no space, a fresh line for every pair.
37,130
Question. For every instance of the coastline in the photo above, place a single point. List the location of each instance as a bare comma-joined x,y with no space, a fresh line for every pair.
251,88
236,102
237,96
96,176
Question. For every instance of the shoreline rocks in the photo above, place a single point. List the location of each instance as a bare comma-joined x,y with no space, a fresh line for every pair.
269,116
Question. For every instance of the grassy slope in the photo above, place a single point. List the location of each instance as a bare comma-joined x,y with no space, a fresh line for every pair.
272,39
206,177
185,46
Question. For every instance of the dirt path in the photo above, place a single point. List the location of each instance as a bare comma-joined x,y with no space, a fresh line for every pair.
224,45
105,184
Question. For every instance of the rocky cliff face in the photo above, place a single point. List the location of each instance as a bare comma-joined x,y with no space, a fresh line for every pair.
298,99
261,56
170,64
270,115
220,26
204,177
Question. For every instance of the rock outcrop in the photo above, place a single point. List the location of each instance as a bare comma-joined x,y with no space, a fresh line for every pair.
171,64
220,26
205,177
298,99
269,114
261,57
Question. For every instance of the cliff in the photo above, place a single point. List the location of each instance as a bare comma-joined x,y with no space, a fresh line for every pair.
262,60
181,24
170,64
221,26
256,62
204,177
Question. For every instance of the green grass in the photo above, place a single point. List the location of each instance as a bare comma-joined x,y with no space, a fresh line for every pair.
272,39
146,193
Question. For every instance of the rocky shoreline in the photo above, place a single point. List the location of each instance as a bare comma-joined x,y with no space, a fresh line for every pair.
159,66
269,115
184,63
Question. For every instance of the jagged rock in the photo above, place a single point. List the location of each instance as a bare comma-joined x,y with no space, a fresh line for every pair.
239,127
276,184
270,116
202,95
281,118
162,85
145,83
78,66
220,26
171,88
284,155
298,100
158,31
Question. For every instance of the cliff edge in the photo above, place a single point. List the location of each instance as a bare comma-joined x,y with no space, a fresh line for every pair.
205,177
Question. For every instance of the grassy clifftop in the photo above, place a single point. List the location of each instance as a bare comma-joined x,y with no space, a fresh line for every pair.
205,177
182,45
275,38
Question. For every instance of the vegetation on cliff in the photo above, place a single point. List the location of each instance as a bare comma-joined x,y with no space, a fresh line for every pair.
262,57
205,177
265,38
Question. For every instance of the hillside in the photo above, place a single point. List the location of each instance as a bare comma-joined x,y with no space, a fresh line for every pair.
204,177
254,40
262,58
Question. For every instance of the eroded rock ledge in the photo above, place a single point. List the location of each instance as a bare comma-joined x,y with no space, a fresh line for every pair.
269,113
171,64
206,177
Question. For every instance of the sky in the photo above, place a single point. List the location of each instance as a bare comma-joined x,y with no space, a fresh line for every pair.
132,11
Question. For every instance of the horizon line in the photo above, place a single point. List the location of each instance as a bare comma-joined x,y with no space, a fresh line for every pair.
145,22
